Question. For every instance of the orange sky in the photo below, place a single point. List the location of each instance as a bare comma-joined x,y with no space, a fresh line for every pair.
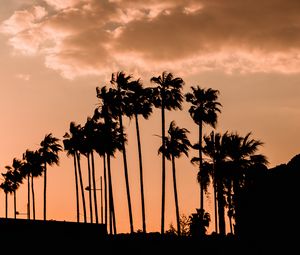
54,53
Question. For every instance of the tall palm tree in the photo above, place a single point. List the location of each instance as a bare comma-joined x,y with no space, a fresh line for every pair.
204,110
49,150
25,172
16,179
90,132
6,186
139,103
166,96
216,149
72,144
32,167
35,165
112,138
176,144
86,149
121,81
69,147
243,156
100,149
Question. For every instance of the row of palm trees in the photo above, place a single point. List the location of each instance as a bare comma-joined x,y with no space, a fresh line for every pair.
128,98
227,158
32,164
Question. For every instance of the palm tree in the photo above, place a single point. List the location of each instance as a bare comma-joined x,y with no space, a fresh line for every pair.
112,138
121,81
139,103
35,167
216,149
69,147
49,153
176,143
166,96
16,179
204,110
100,149
243,156
6,185
25,172
31,167
86,149
72,144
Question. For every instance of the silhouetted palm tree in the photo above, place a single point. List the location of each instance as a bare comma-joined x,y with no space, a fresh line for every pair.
139,103
6,186
100,149
73,141
204,110
121,81
16,179
86,148
90,133
32,167
69,147
25,172
176,143
243,156
166,96
49,150
216,148
112,138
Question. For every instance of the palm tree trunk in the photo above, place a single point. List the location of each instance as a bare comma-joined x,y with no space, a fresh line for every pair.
200,167
76,189
101,199
215,196
28,196
221,210
141,172
230,208
112,221
176,196
15,204
126,175
216,207
105,189
236,201
6,205
163,169
90,188
33,198
230,224
45,189
81,186
94,187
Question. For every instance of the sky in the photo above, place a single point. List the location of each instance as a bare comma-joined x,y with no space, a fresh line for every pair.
54,53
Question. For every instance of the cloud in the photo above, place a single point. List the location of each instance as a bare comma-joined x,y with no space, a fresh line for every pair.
23,20
24,77
62,4
94,37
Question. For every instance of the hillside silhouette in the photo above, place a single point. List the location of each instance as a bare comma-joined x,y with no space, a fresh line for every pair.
270,209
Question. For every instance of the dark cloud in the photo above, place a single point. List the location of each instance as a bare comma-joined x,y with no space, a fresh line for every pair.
251,25
84,37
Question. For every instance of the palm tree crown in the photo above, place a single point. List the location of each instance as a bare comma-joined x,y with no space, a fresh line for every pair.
49,149
204,107
168,92
176,142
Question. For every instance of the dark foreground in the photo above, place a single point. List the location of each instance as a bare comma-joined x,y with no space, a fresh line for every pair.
56,237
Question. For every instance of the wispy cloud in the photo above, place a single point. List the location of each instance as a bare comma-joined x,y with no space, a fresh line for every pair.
24,77
94,37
